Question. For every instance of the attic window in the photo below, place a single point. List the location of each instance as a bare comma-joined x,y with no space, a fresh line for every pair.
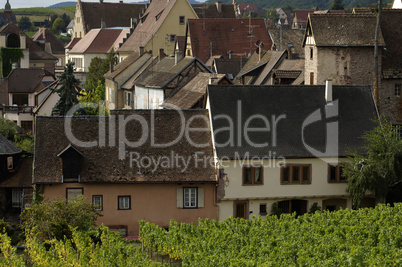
71,164
143,18
13,40
159,15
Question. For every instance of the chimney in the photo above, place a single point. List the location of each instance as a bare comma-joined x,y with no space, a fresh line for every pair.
121,2
178,55
212,78
328,90
219,7
230,53
141,50
133,23
101,1
161,54
103,24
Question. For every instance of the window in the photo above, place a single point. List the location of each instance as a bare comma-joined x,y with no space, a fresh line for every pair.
296,174
252,175
127,98
72,193
190,197
240,209
263,209
97,201
77,62
27,126
59,62
124,202
20,99
181,20
335,174
16,197
10,163
173,38
311,78
398,88
311,53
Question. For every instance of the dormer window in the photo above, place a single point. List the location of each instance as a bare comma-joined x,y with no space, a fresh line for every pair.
158,16
71,158
13,41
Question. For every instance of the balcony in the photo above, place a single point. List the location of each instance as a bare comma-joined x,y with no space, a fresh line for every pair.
17,109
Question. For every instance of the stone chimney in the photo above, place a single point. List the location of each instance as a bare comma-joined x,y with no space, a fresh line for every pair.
328,90
141,50
219,6
161,54
178,55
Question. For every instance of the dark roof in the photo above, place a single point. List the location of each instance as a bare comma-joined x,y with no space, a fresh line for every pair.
226,35
211,11
181,43
343,29
114,14
23,175
230,67
300,15
391,27
8,148
26,80
101,164
72,43
3,18
43,36
297,104
288,36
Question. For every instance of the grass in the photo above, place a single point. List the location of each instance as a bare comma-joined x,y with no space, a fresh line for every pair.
42,11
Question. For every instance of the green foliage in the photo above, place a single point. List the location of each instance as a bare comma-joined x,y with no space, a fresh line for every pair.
54,220
58,25
271,14
8,129
67,91
314,208
9,256
97,97
24,24
7,57
365,237
275,209
380,169
97,69
288,7
25,142
337,5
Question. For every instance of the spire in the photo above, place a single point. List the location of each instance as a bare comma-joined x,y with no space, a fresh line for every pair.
7,10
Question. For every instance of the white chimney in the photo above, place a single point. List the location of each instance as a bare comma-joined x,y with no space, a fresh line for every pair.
328,90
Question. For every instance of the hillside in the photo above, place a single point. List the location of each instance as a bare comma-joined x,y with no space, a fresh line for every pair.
302,4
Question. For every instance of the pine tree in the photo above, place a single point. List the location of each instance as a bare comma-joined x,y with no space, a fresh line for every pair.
67,91
337,5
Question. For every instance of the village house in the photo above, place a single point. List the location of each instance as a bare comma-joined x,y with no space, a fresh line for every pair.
273,145
300,18
396,4
95,15
217,10
158,28
163,177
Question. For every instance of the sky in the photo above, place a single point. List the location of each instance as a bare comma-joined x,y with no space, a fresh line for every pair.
46,3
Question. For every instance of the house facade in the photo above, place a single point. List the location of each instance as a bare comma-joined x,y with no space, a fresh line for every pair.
164,176
273,146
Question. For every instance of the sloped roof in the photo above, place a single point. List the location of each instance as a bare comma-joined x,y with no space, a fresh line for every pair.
301,15
3,18
247,7
229,66
153,17
343,29
72,43
193,91
391,28
288,36
211,11
100,41
8,148
296,105
102,164
226,34
273,62
22,177
123,65
26,80
43,36
114,14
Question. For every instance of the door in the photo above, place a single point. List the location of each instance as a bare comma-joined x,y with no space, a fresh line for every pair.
241,209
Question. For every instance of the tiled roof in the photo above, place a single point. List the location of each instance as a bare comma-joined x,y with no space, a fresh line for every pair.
72,43
22,177
181,43
100,41
102,164
343,29
123,65
301,16
295,105
274,61
3,18
230,67
153,17
288,36
226,34
8,148
391,28
26,80
211,11
43,36
114,14
247,7
192,92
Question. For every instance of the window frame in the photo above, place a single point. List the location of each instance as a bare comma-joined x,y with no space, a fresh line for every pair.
172,38
101,200
397,89
338,173
74,188
291,171
129,202
184,198
262,213
253,168
182,20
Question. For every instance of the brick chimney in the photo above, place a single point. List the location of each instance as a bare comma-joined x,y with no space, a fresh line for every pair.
219,7
161,54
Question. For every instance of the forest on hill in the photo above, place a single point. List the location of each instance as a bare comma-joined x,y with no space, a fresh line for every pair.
303,4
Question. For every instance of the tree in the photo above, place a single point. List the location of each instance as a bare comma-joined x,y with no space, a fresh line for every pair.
97,69
58,25
67,91
24,24
337,5
56,219
380,169
271,14
288,7
8,129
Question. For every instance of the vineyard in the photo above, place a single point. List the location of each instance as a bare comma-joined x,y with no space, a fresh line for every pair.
365,237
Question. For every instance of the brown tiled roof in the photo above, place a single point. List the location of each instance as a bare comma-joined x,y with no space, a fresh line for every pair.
229,66
100,41
289,36
274,61
26,80
148,24
101,164
119,68
343,29
181,42
22,177
364,10
211,11
193,91
254,62
301,16
114,14
43,36
72,43
391,27
225,35
247,7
